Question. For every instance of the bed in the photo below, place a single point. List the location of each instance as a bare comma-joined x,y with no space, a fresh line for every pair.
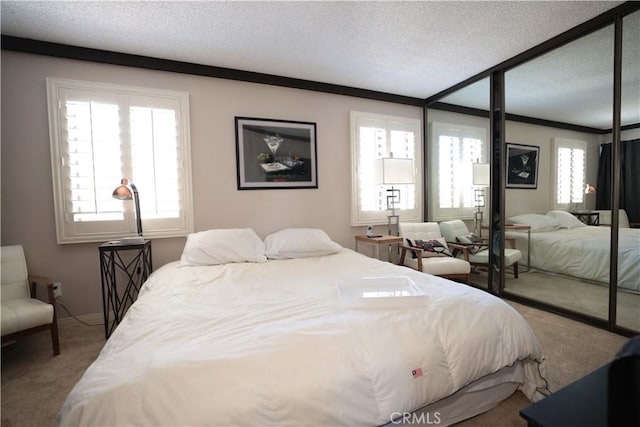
561,244
229,336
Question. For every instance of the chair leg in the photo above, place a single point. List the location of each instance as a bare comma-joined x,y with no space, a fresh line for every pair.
515,270
54,338
55,341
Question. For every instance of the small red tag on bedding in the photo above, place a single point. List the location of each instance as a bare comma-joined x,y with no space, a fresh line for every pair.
416,373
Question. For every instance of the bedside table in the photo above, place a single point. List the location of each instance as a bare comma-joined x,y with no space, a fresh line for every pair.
385,239
132,265
587,217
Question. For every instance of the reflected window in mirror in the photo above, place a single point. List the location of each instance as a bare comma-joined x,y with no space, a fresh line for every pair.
454,149
570,166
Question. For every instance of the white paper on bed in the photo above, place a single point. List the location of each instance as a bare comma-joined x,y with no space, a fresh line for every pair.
268,344
584,252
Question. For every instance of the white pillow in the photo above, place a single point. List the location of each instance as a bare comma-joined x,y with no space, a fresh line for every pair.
299,243
222,246
565,219
537,222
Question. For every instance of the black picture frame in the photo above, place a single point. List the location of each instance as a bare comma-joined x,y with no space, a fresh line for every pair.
522,166
275,154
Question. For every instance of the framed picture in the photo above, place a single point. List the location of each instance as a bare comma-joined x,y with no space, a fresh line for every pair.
275,154
522,166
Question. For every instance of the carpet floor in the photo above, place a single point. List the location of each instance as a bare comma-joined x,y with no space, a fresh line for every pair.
35,384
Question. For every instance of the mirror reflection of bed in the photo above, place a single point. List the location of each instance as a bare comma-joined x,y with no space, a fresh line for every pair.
546,91
570,265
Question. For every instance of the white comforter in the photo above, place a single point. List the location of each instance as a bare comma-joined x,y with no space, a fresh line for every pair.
584,252
268,344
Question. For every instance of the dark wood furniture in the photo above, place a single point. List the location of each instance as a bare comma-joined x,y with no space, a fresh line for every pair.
582,403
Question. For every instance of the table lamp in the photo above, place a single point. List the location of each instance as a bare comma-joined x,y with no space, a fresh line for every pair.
394,171
481,179
128,191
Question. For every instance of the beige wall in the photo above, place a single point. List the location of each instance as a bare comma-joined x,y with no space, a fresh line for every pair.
27,195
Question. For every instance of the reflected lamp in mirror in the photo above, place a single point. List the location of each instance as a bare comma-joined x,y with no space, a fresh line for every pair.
394,171
128,191
481,179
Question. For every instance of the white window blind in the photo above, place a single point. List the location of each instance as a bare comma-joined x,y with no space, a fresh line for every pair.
101,133
453,150
375,137
570,161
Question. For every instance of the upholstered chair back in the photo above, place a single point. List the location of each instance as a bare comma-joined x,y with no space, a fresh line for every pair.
420,230
453,228
15,284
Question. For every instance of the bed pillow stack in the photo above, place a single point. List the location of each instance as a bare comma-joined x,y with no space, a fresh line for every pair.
223,246
537,222
299,243
565,219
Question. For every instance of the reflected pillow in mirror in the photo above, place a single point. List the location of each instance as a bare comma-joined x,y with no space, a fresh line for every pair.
537,222
565,219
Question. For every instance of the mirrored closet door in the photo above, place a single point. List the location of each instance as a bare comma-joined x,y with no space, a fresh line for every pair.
549,169
628,286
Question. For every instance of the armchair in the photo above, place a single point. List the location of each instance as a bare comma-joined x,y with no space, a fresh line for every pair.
428,262
454,229
22,313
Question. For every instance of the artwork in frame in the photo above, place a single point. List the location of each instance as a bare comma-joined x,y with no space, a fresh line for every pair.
522,166
275,154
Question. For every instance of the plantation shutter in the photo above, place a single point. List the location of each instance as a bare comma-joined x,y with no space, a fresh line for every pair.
102,133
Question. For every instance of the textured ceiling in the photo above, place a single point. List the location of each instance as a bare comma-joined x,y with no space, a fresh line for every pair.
406,48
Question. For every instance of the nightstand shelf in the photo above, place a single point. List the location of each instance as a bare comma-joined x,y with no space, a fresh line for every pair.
123,268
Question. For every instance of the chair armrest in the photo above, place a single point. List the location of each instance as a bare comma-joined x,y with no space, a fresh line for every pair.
411,248
34,281
461,246
416,251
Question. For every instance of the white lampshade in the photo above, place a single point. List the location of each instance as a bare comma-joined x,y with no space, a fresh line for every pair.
481,174
391,171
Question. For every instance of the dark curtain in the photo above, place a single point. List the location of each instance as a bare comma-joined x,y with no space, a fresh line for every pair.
629,178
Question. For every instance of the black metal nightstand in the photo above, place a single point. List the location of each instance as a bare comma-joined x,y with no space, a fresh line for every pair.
132,265
589,218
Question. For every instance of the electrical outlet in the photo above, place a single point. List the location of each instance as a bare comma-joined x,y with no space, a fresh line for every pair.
57,289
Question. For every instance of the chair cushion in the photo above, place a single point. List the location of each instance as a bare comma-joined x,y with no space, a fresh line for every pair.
511,256
440,266
21,314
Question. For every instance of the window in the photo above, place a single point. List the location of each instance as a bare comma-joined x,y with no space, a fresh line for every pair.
101,133
452,151
374,140
571,156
